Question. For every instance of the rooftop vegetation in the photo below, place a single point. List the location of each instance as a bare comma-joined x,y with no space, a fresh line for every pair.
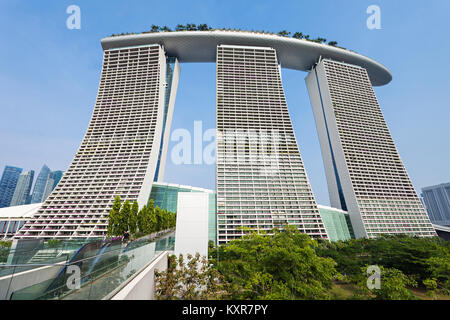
205,27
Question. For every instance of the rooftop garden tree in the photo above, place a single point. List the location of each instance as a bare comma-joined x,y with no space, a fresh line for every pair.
205,27
297,35
192,279
284,33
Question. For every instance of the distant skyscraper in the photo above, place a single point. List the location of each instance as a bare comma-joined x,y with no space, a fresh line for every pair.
48,186
52,182
437,202
23,188
39,186
57,175
8,185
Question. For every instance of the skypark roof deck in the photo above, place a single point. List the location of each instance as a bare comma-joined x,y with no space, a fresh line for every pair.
297,54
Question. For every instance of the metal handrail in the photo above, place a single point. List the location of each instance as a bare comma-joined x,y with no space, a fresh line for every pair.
58,264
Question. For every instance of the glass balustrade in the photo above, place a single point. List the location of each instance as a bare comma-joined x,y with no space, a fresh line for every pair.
79,270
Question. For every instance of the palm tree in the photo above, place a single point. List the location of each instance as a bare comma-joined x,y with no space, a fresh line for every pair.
180,27
284,33
166,29
191,27
154,28
297,35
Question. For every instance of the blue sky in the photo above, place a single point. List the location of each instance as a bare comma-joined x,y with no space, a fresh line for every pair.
49,75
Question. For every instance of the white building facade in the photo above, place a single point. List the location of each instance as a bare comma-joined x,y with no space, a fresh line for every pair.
260,177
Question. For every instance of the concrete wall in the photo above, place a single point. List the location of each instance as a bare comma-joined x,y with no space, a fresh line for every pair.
14,282
191,234
142,286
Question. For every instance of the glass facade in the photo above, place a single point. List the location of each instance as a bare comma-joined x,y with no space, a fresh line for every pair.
39,186
165,196
437,202
23,188
336,223
170,65
212,218
8,185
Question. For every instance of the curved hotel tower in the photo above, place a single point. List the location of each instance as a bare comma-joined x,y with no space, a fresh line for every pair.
260,178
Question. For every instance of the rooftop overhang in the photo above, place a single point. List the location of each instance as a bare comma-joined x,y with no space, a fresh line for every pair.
201,46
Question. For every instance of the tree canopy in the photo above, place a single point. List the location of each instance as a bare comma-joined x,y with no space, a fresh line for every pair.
128,217
279,266
205,27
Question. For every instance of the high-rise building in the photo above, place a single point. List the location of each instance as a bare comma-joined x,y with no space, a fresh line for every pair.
22,192
437,203
260,177
120,152
8,184
52,181
365,174
48,186
39,185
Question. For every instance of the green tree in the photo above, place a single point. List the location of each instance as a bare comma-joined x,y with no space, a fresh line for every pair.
158,215
297,35
193,279
405,253
114,219
282,266
142,220
284,33
439,269
332,43
431,285
128,217
393,285
191,27
152,219
125,214
202,27
133,218
5,247
166,29
180,27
